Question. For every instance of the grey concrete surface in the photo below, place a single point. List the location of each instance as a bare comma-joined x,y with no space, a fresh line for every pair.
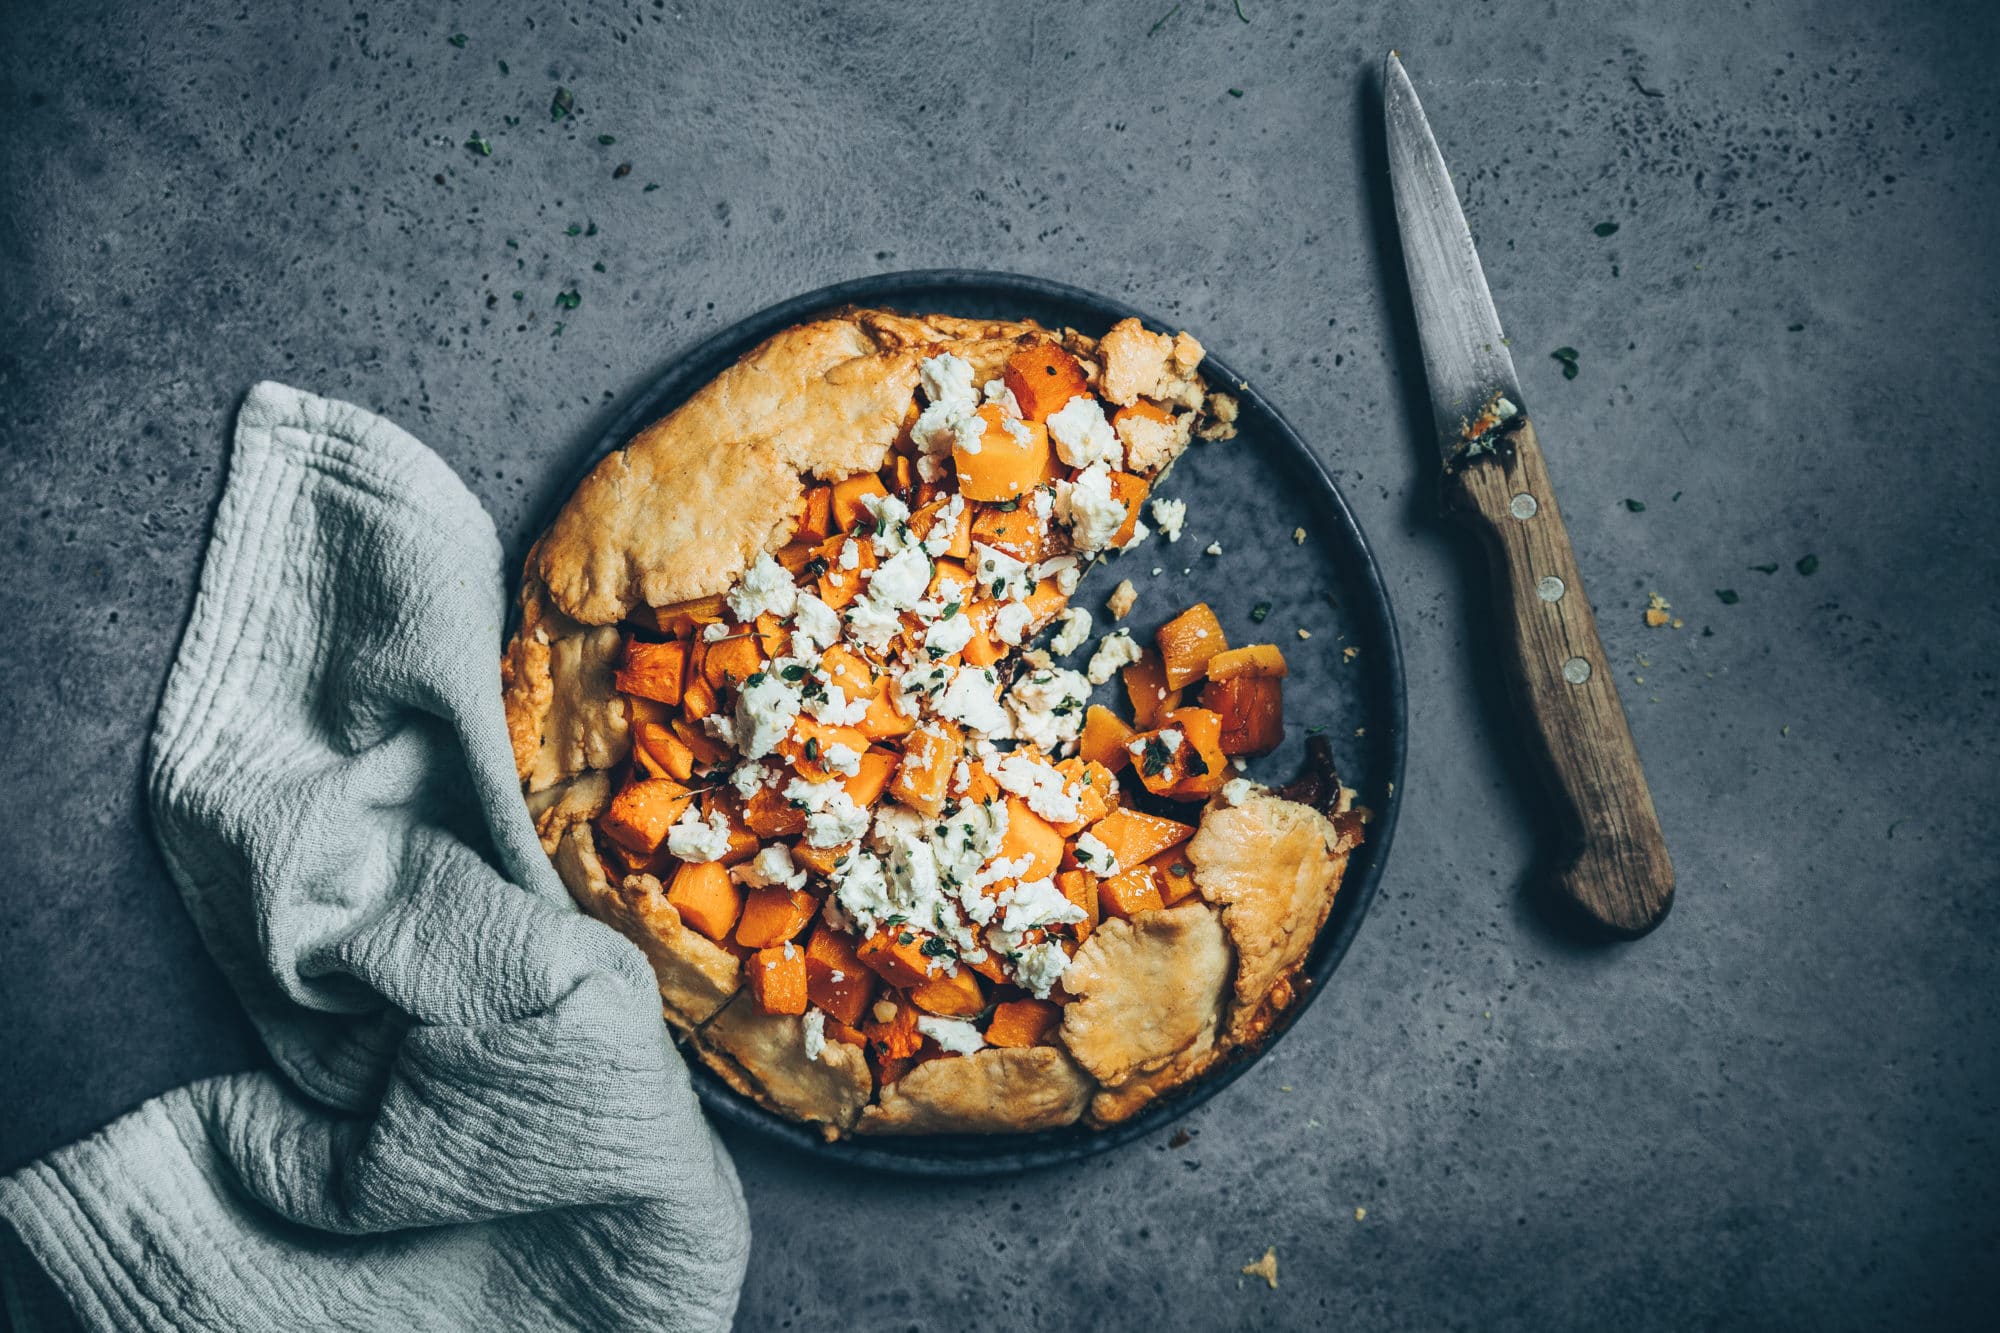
1777,1111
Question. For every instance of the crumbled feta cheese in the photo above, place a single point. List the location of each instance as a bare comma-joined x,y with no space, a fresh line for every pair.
996,391
918,684
1169,515
1171,738
948,635
1036,902
850,554
947,381
1237,791
1039,786
890,519
714,633
965,840
862,890
1011,623
893,821
968,434
816,622
812,1029
1039,967
1093,855
832,817
1113,651
1048,707
766,707
1082,436
765,586
771,867
871,625
1122,599
1139,533
944,525
972,701
1092,512
748,777
693,838
838,758
1000,575
1075,629
831,705
1213,548
954,1035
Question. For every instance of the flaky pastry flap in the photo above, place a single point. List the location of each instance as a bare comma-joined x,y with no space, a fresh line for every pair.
992,1091
1147,989
765,1058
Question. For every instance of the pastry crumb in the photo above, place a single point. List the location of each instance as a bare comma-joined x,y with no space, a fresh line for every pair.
1350,653
1213,548
1266,1268
1122,598
1298,536
1656,612
1305,634
1360,1214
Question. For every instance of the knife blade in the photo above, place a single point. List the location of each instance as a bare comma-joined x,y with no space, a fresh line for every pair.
1612,862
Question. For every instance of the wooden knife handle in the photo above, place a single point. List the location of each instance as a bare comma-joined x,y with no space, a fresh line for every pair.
1614,864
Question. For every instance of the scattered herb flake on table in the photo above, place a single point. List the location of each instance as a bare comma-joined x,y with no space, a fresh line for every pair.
607,139
1162,20
1236,92
1727,596
1605,228
1566,355
562,104
1771,568
569,300
458,39
1636,506
1807,564
1259,611
477,143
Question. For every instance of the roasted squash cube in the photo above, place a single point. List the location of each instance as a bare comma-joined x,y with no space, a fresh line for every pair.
1043,378
836,980
1187,642
774,914
958,995
1007,460
1252,709
653,670
777,978
1252,659
706,898
641,814
1022,1023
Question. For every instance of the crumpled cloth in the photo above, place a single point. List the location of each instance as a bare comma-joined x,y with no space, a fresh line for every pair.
478,1120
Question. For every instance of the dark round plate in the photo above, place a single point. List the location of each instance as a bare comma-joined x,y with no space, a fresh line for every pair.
1250,494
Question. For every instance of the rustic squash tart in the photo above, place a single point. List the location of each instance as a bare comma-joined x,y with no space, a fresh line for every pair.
780,719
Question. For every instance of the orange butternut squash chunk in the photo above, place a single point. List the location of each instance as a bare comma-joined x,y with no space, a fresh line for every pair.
681,618
705,748
731,661
699,699
660,749
769,815
884,721
836,980
1187,642
706,898
1016,531
850,670
1130,491
984,647
1174,874
923,777
895,1039
1252,709
1007,461
774,914
1029,835
1043,377
821,860
794,555
1203,766
777,978
1080,887
956,996
653,670
810,741
839,584
926,517
641,814
816,523
1252,659
1130,892
1104,737
1134,836
897,956
878,765
847,497
990,967
1022,1023
1095,791
1146,686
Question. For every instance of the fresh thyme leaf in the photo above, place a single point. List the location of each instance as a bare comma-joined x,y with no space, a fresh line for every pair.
1259,611
477,143
1569,370
1564,354
1082,857
793,672
938,947
1154,759
458,39
562,105
998,586
1636,506
573,229
1771,568
812,749
598,267
1727,596
756,679
504,69
1807,564
569,300
1236,92
1007,506
1161,20
950,610
1239,11
607,139
1605,228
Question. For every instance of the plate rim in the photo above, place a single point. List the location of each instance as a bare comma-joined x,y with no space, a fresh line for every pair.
925,1155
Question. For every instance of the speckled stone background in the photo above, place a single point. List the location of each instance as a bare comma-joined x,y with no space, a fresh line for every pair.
1779,1110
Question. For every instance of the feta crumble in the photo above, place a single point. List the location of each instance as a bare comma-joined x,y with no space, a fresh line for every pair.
695,839
765,586
954,1035
1169,515
1082,436
1092,513
1047,707
1075,629
812,1031
972,701
1093,855
1039,786
1000,576
1113,651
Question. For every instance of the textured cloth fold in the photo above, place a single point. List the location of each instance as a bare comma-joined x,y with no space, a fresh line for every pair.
480,1121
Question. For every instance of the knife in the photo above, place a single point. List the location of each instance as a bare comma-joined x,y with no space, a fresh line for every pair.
1613,864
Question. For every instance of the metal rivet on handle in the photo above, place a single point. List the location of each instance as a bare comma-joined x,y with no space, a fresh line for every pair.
1549,589
1523,506
1576,671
